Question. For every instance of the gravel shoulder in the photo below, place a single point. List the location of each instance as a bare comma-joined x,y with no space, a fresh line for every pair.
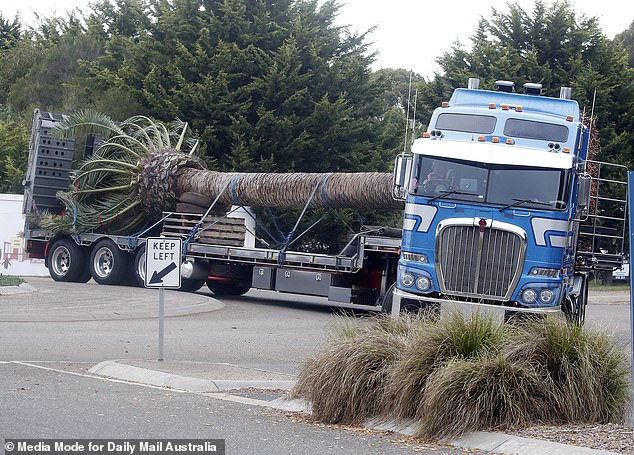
611,437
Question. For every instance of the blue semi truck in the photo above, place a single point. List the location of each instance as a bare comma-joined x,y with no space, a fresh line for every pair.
504,207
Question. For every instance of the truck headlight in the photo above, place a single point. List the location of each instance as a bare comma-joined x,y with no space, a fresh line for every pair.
423,283
547,295
407,279
529,295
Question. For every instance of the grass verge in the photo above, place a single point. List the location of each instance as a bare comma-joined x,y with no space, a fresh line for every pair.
9,280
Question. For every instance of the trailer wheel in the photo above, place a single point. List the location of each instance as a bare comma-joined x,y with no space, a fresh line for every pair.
225,288
66,261
84,276
139,266
108,264
189,285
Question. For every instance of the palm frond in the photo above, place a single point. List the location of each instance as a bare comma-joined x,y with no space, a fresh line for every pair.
86,122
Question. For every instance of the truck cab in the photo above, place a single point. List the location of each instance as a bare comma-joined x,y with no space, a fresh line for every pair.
496,191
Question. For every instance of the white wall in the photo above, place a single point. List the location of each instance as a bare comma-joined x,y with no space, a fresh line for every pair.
13,258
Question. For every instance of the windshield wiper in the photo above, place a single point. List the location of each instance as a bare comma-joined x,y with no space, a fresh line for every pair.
450,192
519,202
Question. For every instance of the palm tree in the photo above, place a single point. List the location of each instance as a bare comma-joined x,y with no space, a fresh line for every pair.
142,166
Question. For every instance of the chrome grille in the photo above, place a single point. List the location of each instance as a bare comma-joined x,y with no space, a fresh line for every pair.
475,262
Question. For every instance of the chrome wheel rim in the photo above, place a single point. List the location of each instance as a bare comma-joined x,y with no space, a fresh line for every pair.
60,260
103,262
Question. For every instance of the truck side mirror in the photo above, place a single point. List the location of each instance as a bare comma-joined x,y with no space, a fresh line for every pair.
402,172
583,196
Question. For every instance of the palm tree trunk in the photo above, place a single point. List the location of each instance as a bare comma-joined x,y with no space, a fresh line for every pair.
364,190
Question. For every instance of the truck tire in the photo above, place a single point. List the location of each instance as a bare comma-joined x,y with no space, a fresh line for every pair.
108,264
66,261
388,298
139,266
226,288
574,308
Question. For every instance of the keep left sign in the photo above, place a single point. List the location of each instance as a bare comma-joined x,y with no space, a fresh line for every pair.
163,262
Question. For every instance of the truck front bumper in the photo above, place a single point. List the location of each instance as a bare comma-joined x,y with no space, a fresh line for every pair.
447,304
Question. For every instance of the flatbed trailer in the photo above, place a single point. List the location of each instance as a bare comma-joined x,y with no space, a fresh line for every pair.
216,251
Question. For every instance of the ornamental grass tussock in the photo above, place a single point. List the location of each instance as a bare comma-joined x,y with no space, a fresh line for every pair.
466,373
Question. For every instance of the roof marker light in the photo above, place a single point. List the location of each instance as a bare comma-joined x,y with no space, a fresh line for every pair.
510,141
445,104
518,109
566,150
426,134
505,107
495,140
480,138
569,118
491,105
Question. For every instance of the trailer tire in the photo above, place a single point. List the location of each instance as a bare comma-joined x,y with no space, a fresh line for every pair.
189,285
139,266
227,288
66,261
108,264
84,276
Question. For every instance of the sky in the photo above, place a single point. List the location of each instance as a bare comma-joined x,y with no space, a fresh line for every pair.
409,34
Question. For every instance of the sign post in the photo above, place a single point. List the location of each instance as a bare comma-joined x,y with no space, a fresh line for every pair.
630,198
162,270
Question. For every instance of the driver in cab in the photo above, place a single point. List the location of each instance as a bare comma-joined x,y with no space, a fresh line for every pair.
440,175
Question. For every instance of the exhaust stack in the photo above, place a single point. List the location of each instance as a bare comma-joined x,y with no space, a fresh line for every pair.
565,93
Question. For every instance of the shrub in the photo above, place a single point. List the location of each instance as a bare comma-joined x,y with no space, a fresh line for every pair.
485,392
345,381
589,372
431,346
464,374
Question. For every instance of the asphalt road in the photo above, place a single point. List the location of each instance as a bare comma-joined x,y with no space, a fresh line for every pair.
49,338
39,403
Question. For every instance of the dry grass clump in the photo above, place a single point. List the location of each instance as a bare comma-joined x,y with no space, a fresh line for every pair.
460,374
588,371
486,392
345,381
431,345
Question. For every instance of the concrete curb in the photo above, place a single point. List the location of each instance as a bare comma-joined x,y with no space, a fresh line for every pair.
482,440
24,288
517,445
113,369
493,442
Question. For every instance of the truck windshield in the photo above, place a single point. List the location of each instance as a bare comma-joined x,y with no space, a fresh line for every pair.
503,185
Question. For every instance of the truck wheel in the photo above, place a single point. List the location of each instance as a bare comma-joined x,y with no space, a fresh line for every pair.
66,261
388,298
224,288
574,308
108,264
189,285
139,266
